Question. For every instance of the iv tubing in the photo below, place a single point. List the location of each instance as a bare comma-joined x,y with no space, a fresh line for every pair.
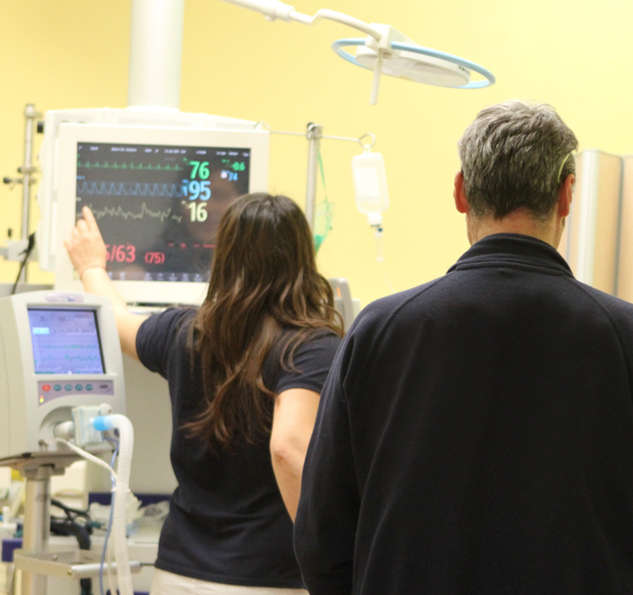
106,541
88,456
126,443
378,237
380,258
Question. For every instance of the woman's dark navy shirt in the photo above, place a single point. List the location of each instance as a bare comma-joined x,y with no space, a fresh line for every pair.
227,522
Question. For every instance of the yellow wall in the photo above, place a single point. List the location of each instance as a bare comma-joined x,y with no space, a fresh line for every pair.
575,55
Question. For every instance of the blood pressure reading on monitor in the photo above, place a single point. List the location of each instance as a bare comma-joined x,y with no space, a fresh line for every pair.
65,341
158,207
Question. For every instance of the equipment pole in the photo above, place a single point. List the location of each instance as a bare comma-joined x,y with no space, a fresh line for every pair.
314,135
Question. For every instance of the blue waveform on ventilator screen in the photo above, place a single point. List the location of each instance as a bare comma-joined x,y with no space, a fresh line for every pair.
56,346
121,213
70,358
91,188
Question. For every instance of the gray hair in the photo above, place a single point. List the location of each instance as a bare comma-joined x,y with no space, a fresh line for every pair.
516,155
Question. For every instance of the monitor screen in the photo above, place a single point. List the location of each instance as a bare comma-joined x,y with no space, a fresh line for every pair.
65,341
158,206
158,194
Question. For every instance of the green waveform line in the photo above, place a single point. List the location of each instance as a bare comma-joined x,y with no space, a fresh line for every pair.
135,167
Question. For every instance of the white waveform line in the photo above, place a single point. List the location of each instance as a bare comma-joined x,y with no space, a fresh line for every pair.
119,212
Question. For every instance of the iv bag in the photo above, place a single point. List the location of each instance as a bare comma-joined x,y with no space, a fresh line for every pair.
370,186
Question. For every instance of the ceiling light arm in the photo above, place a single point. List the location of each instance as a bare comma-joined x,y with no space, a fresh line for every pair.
338,17
274,9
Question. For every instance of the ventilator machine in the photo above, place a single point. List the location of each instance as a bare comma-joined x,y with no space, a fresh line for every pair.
62,397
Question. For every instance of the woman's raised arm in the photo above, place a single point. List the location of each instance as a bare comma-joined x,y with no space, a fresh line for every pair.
87,252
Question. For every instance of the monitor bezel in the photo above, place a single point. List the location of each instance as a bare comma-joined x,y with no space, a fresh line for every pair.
70,134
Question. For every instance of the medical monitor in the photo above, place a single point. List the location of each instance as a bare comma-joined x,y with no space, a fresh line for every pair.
158,195
65,341
58,351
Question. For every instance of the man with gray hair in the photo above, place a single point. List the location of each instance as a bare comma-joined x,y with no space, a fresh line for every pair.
475,435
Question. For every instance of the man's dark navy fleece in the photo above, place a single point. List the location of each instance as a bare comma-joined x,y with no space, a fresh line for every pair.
475,436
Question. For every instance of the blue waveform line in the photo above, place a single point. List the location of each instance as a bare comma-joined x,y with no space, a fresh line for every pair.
90,188
123,214
57,346
70,358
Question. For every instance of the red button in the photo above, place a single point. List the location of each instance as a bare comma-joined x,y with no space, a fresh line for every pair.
46,387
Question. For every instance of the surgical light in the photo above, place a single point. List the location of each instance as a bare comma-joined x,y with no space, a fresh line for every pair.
384,50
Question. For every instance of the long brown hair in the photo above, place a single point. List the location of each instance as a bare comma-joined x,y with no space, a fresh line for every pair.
264,288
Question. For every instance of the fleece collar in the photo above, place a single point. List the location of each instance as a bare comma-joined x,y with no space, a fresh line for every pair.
513,249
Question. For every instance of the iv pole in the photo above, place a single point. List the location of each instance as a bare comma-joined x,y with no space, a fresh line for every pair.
27,169
314,134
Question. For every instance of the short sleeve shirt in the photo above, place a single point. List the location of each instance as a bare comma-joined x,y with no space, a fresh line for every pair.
227,521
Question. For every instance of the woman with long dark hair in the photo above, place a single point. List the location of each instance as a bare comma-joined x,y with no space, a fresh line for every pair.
245,372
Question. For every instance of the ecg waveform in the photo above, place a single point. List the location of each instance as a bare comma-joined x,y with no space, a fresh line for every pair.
123,214
89,188
133,166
